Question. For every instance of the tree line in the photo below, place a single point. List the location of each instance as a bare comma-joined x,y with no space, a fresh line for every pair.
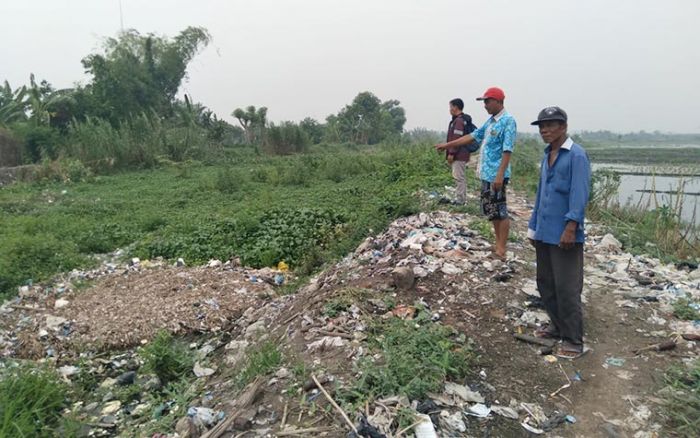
133,86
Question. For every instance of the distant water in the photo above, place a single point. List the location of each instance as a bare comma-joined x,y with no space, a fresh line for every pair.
630,186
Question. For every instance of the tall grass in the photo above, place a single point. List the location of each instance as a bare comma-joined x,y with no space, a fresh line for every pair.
140,142
31,402
650,226
682,399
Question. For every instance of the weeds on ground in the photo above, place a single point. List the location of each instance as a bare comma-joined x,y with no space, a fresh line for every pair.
167,358
261,361
171,404
684,309
682,400
31,402
484,228
417,357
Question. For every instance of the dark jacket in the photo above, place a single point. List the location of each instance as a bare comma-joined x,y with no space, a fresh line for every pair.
458,128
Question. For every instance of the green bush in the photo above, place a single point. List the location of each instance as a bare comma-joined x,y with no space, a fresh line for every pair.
31,402
287,234
167,358
35,257
40,142
229,181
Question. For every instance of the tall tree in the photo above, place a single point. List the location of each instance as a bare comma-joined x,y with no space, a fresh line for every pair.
367,120
138,73
253,122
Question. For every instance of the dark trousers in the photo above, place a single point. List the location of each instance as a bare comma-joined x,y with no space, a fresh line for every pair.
560,282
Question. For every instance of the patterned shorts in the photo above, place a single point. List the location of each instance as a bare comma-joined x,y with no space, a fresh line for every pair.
493,204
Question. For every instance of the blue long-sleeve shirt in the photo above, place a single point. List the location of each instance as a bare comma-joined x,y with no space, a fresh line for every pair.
562,194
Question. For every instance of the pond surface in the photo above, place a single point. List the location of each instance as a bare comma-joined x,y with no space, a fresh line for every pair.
651,191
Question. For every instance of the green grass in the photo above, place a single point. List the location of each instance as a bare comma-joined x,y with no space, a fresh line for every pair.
682,400
31,402
682,310
168,358
260,361
305,209
417,357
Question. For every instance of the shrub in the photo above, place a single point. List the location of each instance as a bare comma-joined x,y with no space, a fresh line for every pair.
39,141
35,257
167,358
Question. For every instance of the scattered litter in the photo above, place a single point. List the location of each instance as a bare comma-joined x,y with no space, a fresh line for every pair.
201,371
614,361
425,428
550,359
450,269
463,392
452,422
505,411
60,303
478,410
327,342
204,416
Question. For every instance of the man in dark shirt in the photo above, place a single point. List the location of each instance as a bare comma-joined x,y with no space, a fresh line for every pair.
458,157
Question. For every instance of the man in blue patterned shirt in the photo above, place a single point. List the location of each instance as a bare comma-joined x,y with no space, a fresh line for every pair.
496,138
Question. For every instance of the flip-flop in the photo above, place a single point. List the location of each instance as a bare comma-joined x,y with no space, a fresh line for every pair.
563,353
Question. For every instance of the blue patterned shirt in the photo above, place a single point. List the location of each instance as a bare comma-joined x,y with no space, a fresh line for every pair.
496,136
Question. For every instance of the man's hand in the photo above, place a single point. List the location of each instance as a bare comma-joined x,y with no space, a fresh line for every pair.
497,183
441,146
450,159
532,242
568,237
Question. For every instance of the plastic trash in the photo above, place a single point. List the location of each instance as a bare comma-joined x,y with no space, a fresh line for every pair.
425,428
614,361
204,416
478,410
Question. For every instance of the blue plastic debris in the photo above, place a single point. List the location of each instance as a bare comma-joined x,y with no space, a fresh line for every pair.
614,361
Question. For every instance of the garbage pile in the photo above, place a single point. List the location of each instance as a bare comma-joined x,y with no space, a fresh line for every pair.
428,269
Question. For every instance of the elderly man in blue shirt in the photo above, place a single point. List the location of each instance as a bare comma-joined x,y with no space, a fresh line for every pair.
556,231
496,138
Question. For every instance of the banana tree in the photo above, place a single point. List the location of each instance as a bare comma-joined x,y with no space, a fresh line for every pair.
12,104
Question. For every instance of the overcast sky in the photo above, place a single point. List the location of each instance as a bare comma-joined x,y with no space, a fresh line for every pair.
621,65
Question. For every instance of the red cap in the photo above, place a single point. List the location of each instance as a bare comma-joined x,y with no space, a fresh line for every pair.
493,93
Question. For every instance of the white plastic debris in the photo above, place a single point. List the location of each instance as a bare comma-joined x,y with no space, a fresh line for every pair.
450,269
609,243
60,303
505,411
201,371
326,343
425,428
54,322
478,410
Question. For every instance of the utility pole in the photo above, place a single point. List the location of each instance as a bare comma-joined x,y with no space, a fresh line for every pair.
121,16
